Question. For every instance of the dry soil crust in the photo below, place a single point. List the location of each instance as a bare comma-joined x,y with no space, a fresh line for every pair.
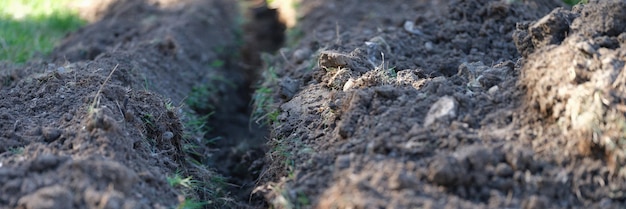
100,125
429,104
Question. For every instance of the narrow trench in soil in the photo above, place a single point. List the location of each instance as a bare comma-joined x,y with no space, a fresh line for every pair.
241,141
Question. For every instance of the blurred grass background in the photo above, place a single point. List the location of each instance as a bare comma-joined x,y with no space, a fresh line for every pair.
30,28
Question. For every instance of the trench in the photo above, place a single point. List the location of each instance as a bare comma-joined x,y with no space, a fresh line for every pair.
240,142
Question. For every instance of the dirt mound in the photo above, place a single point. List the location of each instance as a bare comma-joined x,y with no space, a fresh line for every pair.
576,94
101,126
417,105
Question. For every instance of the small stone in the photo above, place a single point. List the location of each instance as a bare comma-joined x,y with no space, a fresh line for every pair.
444,107
168,135
586,48
409,26
51,134
493,90
349,84
429,46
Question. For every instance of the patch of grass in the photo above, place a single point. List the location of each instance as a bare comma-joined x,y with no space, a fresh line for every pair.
169,106
187,186
199,98
294,35
263,99
288,161
574,2
146,83
177,180
16,150
217,63
195,130
303,200
191,204
32,27
204,97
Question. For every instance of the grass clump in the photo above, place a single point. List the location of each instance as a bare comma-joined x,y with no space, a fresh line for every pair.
187,186
574,2
211,194
264,111
204,97
32,27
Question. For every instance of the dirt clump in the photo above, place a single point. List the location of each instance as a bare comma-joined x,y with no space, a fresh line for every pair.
575,93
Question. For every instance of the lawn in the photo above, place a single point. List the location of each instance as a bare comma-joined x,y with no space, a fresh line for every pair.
30,28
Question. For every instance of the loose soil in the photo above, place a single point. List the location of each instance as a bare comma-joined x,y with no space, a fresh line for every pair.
370,104
456,104
104,122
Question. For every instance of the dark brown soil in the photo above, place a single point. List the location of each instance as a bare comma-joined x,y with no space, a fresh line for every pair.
104,122
371,104
429,104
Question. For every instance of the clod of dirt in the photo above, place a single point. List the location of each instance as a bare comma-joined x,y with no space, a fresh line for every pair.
46,162
481,76
504,170
578,85
51,134
409,26
48,198
447,171
549,30
600,18
99,119
330,59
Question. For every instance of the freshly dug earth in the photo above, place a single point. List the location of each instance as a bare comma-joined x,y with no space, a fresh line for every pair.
103,124
456,104
373,104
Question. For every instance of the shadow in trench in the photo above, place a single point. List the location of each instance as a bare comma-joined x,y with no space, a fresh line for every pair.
239,140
